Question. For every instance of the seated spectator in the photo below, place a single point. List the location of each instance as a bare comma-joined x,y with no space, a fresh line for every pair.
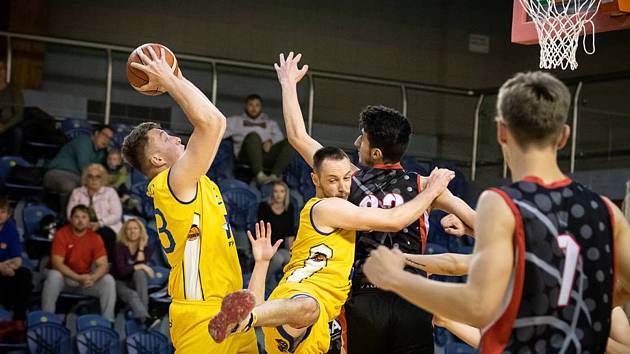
278,211
131,270
258,141
118,175
11,113
103,204
75,250
15,280
64,171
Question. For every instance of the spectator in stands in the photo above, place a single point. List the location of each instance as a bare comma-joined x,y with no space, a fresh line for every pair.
118,175
64,171
15,280
75,249
104,207
131,269
11,110
278,211
258,141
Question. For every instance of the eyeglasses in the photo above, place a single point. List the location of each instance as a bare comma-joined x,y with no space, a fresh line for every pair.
94,176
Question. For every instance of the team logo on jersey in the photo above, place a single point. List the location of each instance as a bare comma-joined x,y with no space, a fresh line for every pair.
194,231
283,346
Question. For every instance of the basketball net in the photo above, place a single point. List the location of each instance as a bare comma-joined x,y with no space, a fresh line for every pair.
559,25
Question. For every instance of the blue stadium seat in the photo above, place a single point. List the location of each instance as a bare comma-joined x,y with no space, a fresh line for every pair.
297,172
132,326
98,340
147,343
31,216
223,164
4,314
433,248
410,163
241,202
39,317
73,127
91,320
139,190
6,164
160,279
459,348
49,337
121,130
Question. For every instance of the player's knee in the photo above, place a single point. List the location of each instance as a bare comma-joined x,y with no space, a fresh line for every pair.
308,309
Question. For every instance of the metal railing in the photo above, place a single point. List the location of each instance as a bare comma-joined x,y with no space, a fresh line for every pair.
404,86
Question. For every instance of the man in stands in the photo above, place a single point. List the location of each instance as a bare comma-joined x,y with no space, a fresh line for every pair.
258,141
75,249
15,281
64,171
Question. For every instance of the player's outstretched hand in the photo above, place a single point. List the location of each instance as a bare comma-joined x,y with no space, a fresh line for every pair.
156,68
287,70
382,266
262,250
454,226
439,180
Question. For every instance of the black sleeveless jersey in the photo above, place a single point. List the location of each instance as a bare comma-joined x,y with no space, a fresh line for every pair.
560,295
387,186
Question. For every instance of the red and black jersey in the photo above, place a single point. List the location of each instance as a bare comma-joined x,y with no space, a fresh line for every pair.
387,186
559,298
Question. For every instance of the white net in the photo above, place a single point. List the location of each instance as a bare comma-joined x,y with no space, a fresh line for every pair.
560,24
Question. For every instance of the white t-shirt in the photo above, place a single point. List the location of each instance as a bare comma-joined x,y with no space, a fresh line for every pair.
238,127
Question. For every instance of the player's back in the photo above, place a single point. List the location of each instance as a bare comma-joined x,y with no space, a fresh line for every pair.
560,293
321,261
197,240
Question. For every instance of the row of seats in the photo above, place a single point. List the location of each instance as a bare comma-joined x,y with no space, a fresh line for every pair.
47,334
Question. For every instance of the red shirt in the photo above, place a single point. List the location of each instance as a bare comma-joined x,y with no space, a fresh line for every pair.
79,252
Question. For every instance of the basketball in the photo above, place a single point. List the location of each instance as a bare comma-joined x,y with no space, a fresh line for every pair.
138,78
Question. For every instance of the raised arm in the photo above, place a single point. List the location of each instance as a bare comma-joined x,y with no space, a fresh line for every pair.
288,76
207,121
339,213
263,251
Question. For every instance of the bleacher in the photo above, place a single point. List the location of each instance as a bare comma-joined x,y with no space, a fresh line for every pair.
77,325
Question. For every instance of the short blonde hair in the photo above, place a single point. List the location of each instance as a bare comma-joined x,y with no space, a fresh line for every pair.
122,234
101,170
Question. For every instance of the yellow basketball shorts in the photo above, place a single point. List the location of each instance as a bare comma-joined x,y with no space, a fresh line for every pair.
316,339
189,330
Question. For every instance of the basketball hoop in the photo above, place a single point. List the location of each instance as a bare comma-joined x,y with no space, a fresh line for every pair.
559,24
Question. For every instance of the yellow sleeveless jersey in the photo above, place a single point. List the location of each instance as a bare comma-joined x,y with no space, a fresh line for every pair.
197,240
321,261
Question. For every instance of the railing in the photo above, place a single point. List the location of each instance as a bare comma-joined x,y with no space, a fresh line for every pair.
404,86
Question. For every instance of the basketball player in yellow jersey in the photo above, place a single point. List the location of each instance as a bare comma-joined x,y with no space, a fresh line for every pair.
316,280
189,211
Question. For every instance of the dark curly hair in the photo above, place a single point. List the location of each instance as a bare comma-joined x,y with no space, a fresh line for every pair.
386,129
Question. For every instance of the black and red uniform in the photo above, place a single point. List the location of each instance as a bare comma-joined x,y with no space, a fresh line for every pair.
559,298
373,320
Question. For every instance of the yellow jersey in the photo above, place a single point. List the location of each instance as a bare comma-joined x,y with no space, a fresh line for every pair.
197,240
321,268
322,261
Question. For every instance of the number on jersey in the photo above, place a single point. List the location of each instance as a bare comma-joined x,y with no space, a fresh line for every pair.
571,257
317,260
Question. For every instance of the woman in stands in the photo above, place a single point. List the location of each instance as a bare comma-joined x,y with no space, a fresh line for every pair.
103,202
278,211
130,269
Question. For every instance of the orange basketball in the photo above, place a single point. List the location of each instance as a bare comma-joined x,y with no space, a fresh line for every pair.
138,78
